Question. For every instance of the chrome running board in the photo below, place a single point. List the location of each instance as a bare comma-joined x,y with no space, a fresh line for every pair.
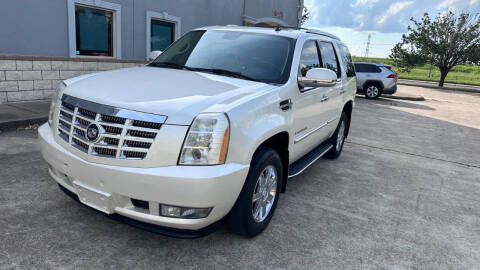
306,161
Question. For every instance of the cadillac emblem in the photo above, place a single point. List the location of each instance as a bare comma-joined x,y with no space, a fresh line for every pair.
93,132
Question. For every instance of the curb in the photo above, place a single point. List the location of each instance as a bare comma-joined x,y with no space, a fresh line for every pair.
413,98
13,125
440,88
386,97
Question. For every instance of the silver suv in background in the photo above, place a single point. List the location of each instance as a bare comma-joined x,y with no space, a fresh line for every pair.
374,79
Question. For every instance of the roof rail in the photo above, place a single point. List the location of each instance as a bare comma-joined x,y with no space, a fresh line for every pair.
307,30
318,32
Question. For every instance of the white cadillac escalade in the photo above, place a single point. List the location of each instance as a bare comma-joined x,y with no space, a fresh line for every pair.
210,130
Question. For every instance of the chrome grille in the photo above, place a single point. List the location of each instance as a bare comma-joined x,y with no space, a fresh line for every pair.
123,134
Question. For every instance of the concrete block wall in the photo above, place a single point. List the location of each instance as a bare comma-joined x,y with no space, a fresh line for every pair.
25,78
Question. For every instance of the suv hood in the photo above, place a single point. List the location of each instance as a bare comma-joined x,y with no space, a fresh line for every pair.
178,94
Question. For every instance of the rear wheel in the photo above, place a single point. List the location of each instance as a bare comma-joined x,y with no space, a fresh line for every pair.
338,138
258,199
372,90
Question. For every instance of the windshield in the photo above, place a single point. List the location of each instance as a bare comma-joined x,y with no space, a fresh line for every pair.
259,57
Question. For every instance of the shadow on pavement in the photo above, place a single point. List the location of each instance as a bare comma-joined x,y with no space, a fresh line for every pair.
398,197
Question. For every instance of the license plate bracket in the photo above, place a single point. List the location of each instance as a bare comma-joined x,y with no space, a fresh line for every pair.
97,199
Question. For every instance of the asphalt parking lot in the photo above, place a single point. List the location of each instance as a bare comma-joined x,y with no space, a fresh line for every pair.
405,194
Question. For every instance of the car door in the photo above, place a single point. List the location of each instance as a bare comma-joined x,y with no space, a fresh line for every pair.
333,98
361,75
376,72
310,112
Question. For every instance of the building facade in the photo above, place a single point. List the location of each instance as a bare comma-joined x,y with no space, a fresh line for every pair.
45,41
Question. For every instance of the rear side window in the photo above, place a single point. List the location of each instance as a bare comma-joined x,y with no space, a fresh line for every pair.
329,58
375,69
309,58
347,60
366,68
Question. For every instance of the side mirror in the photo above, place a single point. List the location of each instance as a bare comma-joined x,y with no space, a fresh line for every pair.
154,55
318,77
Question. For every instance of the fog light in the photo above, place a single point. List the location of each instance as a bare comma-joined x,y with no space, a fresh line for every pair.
183,212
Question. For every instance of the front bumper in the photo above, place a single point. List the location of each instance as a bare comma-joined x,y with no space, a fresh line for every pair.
110,188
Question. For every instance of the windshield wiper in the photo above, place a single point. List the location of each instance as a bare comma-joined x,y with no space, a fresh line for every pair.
225,72
217,71
169,64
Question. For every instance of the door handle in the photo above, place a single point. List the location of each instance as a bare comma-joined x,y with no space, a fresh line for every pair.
286,105
324,98
342,91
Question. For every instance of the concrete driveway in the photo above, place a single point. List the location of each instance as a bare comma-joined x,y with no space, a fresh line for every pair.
405,194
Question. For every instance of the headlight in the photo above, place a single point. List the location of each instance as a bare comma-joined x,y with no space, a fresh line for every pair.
57,96
207,140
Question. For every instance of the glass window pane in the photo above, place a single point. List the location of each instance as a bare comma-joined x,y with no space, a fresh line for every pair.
265,58
309,58
93,31
329,58
347,61
162,35
358,68
363,68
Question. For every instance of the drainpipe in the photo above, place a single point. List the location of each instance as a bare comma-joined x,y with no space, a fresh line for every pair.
300,12
243,15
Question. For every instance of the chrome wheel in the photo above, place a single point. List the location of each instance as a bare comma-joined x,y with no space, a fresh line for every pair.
340,136
264,193
372,91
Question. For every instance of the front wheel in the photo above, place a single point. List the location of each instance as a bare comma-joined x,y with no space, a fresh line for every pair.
338,137
258,199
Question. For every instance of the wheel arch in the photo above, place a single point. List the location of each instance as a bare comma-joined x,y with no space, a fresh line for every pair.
348,109
279,142
375,82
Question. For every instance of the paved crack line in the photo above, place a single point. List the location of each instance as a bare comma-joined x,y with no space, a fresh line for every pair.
416,155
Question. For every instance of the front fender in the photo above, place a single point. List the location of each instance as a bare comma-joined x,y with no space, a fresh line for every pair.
254,123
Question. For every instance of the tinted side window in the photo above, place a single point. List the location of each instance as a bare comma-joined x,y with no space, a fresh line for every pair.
376,69
329,58
347,60
359,68
309,58
372,69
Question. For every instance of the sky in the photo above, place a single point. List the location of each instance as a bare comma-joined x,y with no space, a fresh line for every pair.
385,20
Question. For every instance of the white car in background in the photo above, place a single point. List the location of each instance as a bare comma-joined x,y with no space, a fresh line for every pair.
374,79
210,130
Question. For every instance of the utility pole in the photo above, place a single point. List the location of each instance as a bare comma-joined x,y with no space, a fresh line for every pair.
367,49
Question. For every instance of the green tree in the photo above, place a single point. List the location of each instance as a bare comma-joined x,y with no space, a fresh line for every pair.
445,42
305,16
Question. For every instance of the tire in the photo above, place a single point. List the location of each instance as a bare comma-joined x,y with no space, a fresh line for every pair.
338,138
245,217
372,90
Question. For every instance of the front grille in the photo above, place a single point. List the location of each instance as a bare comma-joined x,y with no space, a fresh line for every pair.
140,133
123,134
